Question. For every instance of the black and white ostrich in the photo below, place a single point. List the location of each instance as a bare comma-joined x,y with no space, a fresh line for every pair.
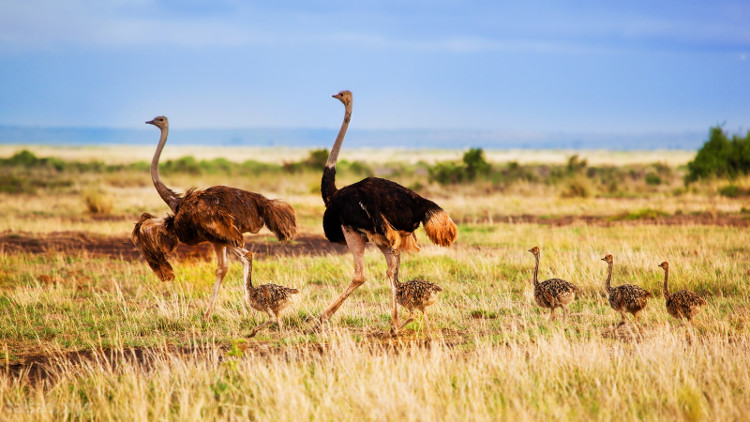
378,211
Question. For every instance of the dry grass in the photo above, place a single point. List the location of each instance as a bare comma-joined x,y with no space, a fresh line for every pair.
120,154
115,343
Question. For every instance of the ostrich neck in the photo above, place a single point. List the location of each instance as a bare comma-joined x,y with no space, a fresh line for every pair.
165,193
536,270
334,155
666,278
609,278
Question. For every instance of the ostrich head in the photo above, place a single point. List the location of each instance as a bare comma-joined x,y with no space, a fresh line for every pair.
608,259
155,239
535,250
160,121
344,96
664,265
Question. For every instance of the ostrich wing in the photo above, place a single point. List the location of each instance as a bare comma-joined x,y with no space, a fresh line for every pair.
207,224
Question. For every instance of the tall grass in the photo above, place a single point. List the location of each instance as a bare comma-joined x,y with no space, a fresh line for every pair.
664,377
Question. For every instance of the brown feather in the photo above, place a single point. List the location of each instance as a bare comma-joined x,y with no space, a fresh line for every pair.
417,294
441,229
155,242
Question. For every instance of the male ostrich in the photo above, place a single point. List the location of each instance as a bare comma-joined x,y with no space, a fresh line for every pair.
683,304
219,215
552,293
417,294
625,297
378,211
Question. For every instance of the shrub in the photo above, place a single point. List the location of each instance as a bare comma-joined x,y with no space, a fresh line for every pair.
575,164
475,163
12,184
653,179
576,188
96,202
446,173
187,164
472,165
317,159
720,157
733,191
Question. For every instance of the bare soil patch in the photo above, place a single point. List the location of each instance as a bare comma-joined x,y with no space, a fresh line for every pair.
120,247
704,219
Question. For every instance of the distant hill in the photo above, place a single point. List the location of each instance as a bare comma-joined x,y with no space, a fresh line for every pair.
322,138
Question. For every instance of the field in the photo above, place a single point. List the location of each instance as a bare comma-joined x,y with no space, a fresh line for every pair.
89,332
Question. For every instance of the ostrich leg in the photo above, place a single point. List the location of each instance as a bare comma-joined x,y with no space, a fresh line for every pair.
393,259
247,272
356,245
409,319
268,322
221,270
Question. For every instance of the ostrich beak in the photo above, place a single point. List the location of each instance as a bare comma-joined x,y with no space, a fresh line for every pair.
150,122
334,95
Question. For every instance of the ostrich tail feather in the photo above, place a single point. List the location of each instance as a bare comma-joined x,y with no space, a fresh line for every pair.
440,228
155,240
280,219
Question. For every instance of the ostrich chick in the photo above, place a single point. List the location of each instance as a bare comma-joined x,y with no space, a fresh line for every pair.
683,304
268,298
626,297
417,294
552,293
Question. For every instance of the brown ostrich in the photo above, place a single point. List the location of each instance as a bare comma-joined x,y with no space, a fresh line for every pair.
417,294
625,297
378,211
552,293
268,298
683,304
219,215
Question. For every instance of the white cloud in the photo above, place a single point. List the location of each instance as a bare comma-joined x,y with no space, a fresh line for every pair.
35,24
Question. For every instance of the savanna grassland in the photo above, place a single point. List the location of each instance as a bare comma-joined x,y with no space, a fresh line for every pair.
89,332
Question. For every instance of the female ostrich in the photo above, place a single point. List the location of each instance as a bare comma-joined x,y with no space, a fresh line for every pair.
378,211
682,304
417,294
625,297
219,215
552,293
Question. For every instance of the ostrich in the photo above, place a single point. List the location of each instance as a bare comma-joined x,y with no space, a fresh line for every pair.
378,211
552,293
626,297
219,215
417,294
683,304
268,298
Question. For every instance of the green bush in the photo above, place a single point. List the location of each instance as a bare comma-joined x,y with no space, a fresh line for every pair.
653,179
721,157
733,191
447,173
575,164
471,167
475,163
12,184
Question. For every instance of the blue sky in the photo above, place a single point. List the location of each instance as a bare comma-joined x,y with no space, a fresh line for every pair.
526,67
